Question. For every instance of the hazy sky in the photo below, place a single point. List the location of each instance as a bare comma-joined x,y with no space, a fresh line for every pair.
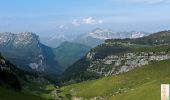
77,16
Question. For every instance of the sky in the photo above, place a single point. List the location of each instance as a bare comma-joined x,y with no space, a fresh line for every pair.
48,17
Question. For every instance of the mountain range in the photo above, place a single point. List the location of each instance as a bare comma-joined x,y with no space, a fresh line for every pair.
117,56
117,69
91,38
121,69
98,36
27,52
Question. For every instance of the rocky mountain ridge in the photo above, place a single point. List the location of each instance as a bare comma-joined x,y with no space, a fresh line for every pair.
26,51
91,38
98,36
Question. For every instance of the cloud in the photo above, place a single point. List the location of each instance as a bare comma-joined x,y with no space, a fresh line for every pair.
92,21
76,22
86,21
89,20
100,21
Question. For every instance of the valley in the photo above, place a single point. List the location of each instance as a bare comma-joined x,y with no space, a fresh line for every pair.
84,50
117,69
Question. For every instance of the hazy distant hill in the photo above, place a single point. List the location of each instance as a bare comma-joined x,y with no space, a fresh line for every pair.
68,53
56,40
91,39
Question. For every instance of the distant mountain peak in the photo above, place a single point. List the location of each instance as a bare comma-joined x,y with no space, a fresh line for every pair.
28,34
101,34
57,39
26,38
25,50
8,39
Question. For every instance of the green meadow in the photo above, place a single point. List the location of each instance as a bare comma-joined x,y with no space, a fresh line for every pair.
139,84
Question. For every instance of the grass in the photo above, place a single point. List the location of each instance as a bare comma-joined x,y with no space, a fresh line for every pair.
34,89
145,48
6,94
42,89
140,84
147,91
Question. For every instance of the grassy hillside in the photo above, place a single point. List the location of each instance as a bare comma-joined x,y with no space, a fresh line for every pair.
140,84
40,87
6,94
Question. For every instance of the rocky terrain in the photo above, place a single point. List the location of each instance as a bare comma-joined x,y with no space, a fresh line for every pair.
116,64
26,51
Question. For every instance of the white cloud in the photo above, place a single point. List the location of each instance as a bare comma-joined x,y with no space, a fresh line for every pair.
76,22
88,21
92,21
100,21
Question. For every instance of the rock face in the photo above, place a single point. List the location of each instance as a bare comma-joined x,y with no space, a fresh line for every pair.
115,64
18,40
26,51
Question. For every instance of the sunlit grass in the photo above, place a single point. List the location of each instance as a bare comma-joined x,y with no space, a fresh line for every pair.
140,84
